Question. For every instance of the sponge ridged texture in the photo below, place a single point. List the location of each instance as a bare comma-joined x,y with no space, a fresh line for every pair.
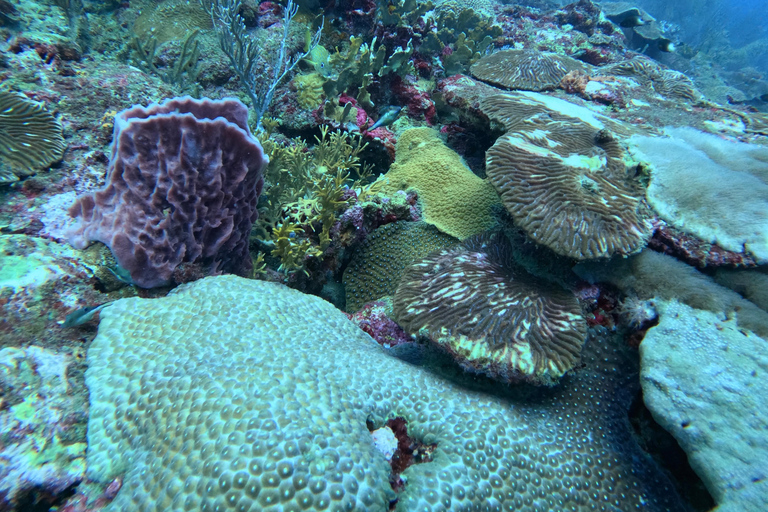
231,394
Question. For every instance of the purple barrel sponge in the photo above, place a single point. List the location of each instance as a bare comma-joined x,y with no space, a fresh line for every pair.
181,187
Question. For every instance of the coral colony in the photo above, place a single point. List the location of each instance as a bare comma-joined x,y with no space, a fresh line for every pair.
382,255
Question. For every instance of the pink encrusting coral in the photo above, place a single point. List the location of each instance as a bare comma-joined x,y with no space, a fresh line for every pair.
182,187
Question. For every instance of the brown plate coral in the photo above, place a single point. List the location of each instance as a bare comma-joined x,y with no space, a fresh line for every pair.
490,314
30,137
527,70
561,175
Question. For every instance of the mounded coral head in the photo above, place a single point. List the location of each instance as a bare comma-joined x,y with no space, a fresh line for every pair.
376,267
452,198
528,70
490,314
171,19
277,415
561,175
181,187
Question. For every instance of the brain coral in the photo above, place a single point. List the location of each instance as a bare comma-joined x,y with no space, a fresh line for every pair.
232,394
490,314
562,177
452,198
376,267
528,70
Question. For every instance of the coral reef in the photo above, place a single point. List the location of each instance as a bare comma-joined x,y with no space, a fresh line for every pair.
376,267
171,19
492,316
42,450
30,137
526,70
460,37
425,432
374,318
750,284
260,422
713,188
685,359
561,175
311,195
452,198
182,187
693,250
650,275
666,82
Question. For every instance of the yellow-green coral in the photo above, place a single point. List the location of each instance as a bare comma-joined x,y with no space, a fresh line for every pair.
452,198
291,250
309,90
377,265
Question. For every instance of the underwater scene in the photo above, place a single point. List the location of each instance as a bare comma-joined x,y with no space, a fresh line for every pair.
383,255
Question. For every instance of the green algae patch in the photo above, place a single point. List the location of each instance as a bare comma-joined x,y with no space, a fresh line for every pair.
28,262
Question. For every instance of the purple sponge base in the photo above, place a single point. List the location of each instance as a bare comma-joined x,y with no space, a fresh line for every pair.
181,187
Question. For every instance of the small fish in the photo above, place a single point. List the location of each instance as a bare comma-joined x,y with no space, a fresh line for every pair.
633,20
122,275
386,117
666,45
319,58
83,315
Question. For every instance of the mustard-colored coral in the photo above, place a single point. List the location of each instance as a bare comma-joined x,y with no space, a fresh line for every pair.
309,90
452,198
291,250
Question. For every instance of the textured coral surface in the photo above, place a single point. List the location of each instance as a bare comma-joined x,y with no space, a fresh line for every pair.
490,313
231,394
376,266
685,360
561,175
453,199
528,70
